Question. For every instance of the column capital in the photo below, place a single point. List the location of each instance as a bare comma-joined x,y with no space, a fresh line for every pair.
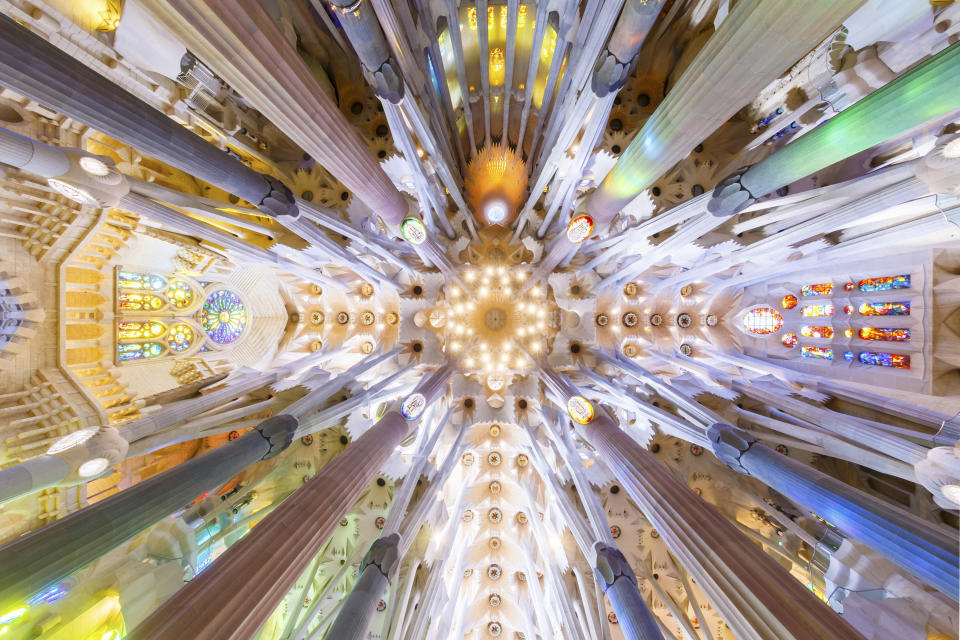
729,444
278,431
383,554
611,565
730,196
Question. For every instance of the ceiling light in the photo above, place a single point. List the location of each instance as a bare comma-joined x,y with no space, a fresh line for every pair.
495,212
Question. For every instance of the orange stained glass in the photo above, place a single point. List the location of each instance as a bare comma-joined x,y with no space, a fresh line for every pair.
816,332
886,335
788,301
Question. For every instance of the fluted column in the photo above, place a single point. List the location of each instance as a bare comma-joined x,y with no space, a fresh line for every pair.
926,92
925,550
40,71
235,595
241,42
619,583
756,597
756,43
40,558
375,572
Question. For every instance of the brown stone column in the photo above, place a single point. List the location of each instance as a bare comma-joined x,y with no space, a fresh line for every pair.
756,597
239,40
235,595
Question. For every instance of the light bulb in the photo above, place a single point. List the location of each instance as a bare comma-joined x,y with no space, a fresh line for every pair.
489,271
469,363
484,291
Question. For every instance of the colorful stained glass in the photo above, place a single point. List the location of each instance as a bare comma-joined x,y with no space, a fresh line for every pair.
886,335
133,280
818,353
823,289
888,283
816,310
848,333
789,340
816,332
134,330
223,316
848,309
895,360
179,294
762,321
181,337
139,350
848,356
788,301
140,302
848,286
885,309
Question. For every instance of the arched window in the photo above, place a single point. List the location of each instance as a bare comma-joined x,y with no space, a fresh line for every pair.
762,321
128,330
180,337
139,351
139,302
179,294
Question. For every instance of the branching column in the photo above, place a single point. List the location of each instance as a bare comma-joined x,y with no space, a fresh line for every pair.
620,586
756,597
926,92
375,573
925,550
40,71
235,595
241,42
757,42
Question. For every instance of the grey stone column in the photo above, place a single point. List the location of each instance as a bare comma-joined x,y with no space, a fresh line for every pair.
925,550
40,71
756,43
375,572
754,595
235,595
42,557
619,583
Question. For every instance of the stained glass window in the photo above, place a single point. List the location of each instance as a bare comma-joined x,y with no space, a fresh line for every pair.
816,310
133,330
818,353
223,316
816,332
762,321
179,294
181,337
895,360
885,309
140,302
133,280
823,289
886,335
888,283
848,356
848,309
789,340
139,350
788,301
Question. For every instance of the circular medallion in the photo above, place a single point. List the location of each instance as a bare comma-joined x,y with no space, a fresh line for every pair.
782,449
656,320
614,531
366,289
494,572
602,319
696,450
413,407
579,229
467,459
521,518
630,289
381,605
686,349
684,320
494,487
495,430
494,459
494,600
468,516
379,522
711,320
630,319
413,230
93,467
686,290
580,410
316,289
307,440
316,317
392,318
494,543
495,515
367,318
343,317
367,347
522,460
630,350
494,629
467,573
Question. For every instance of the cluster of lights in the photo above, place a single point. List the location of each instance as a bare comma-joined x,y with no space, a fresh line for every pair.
492,330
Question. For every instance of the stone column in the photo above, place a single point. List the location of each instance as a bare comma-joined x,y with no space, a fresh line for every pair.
618,582
926,92
235,595
756,597
40,71
920,547
241,42
42,557
375,572
756,43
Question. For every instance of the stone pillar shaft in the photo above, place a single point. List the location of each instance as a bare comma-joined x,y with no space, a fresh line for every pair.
375,572
42,557
235,595
756,597
925,550
757,42
241,42
40,71
618,582
926,92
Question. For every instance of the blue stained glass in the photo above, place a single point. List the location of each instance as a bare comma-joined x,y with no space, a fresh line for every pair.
887,283
139,350
223,316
